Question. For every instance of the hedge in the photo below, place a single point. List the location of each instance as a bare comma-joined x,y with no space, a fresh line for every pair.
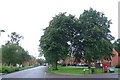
117,66
8,69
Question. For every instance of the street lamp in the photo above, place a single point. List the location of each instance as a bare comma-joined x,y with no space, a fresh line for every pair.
1,49
1,31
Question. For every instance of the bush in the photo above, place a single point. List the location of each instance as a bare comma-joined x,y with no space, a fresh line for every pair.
117,66
9,69
0,69
16,69
6,69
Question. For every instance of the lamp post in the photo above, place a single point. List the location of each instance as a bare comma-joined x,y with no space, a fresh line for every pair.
1,31
1,49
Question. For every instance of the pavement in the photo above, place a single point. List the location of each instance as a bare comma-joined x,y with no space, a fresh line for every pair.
39,73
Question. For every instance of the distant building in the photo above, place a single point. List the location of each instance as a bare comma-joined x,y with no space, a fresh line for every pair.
110,63
114,60
26,63
29,63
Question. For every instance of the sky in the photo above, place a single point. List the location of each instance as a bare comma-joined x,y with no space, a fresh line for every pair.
29,17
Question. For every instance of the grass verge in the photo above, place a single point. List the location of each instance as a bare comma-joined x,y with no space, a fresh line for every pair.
67,70
117,70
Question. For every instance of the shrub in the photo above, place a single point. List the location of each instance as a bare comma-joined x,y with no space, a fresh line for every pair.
5,69
16,69
117,66
9,69
0,69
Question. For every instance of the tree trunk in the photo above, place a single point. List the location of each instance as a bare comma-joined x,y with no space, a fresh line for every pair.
89,66
55,65
8,63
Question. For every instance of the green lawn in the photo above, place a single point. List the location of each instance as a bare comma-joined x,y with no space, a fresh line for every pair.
117,70
73,70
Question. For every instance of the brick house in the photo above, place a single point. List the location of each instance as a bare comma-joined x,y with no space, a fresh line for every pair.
68,61
29,63
114,60
26,63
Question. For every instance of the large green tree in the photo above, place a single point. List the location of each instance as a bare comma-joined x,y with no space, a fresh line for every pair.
89,37
54,41
96,38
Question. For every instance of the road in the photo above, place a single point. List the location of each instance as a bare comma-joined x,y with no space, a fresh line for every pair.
39,72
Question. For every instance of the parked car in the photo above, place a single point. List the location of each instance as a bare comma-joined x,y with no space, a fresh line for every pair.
79,64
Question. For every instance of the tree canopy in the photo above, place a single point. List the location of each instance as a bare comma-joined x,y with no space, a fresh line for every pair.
12,52
96,37
89,37
54,41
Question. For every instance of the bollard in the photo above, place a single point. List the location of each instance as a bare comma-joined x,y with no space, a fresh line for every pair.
93,71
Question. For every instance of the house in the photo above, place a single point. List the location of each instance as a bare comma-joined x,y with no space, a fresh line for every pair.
26,63
110,63
31,62
114,60
68,61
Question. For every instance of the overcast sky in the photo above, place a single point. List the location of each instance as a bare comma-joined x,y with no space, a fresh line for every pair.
29,17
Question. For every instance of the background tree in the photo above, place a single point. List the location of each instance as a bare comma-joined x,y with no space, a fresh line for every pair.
14,38
22,55
8,54
12,52
41,61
